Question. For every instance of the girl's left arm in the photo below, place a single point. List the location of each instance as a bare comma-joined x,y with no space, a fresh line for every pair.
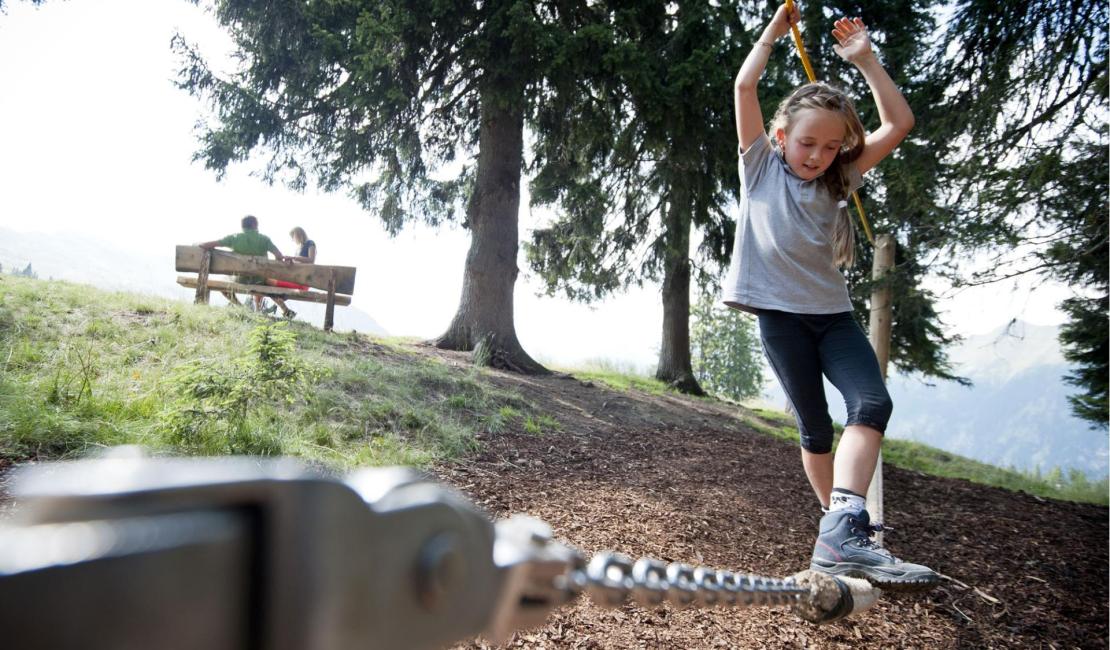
894,113
305,259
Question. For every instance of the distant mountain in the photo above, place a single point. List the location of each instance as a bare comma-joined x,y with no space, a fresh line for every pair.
1015,415
78,258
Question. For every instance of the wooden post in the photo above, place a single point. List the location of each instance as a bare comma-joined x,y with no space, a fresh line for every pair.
329,313
881,314
201,297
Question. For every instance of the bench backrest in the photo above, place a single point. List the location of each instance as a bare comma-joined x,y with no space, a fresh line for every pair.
225,263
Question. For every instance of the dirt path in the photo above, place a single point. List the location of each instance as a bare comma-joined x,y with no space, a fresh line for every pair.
685,480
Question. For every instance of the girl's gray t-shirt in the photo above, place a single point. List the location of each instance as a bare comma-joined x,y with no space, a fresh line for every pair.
783,258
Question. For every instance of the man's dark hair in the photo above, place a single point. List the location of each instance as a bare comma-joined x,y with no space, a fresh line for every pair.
250,222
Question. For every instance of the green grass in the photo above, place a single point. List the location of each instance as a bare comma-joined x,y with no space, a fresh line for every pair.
1072,486
621,382
1055,484
616,375
82,369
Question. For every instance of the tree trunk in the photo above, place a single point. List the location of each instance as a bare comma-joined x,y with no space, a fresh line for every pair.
484,320
674,353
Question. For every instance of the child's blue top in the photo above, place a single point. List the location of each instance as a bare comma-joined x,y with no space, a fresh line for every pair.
783,256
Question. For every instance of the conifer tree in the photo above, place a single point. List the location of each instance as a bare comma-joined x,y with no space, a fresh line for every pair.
641,162
383,98
1026,107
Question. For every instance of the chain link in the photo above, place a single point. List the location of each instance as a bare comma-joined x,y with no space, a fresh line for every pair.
611,579
546,574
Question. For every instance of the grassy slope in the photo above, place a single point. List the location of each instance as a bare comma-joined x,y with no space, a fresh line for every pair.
929,460
82,369
915,456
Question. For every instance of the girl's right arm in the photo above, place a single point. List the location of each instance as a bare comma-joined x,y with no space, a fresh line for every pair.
749,117
854,46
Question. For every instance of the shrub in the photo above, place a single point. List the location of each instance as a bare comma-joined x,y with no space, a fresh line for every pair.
215,402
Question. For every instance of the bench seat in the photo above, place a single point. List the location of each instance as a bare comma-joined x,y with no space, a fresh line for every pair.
335,283
265,290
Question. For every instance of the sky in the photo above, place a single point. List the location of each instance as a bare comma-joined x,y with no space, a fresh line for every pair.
96,140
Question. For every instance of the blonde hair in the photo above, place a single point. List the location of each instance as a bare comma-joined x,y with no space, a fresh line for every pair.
298,235
835,179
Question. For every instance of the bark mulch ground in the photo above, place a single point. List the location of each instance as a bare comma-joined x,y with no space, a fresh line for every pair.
685,480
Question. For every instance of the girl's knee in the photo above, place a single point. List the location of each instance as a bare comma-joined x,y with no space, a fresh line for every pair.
872,410
882,406
820,443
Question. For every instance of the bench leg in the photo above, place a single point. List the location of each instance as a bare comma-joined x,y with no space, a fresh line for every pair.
329,313
201,297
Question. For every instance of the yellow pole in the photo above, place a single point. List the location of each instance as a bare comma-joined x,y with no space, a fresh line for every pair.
798,43
813,77
863,219
881,321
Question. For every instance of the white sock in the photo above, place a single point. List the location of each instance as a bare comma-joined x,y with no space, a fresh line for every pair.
842,499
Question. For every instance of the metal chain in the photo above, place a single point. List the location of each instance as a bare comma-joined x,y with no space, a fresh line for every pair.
611,579
552,574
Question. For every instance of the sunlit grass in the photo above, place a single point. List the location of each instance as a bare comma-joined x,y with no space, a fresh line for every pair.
617,375
1055,484
82,369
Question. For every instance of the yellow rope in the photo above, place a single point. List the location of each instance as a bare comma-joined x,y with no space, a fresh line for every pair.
798,42
813,77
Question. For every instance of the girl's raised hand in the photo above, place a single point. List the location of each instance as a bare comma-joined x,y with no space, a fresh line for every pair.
851,34
782,21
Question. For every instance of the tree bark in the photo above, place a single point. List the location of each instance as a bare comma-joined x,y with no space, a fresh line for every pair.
674,353
484,320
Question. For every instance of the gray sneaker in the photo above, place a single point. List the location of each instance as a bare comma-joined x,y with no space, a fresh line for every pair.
845,548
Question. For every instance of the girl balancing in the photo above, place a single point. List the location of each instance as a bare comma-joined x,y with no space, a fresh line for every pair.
793,234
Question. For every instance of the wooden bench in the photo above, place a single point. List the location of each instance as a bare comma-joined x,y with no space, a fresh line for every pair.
336,283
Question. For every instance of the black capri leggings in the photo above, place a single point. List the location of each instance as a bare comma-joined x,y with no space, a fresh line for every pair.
800,347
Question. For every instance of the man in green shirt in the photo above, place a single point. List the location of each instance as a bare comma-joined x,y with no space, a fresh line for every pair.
252,242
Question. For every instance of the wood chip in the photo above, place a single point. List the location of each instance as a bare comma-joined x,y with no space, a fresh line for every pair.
646,477
987,597
960,612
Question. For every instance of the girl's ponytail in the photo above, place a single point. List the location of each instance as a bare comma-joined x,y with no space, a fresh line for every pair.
844,237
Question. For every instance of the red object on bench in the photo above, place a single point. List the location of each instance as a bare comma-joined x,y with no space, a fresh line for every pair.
289,285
